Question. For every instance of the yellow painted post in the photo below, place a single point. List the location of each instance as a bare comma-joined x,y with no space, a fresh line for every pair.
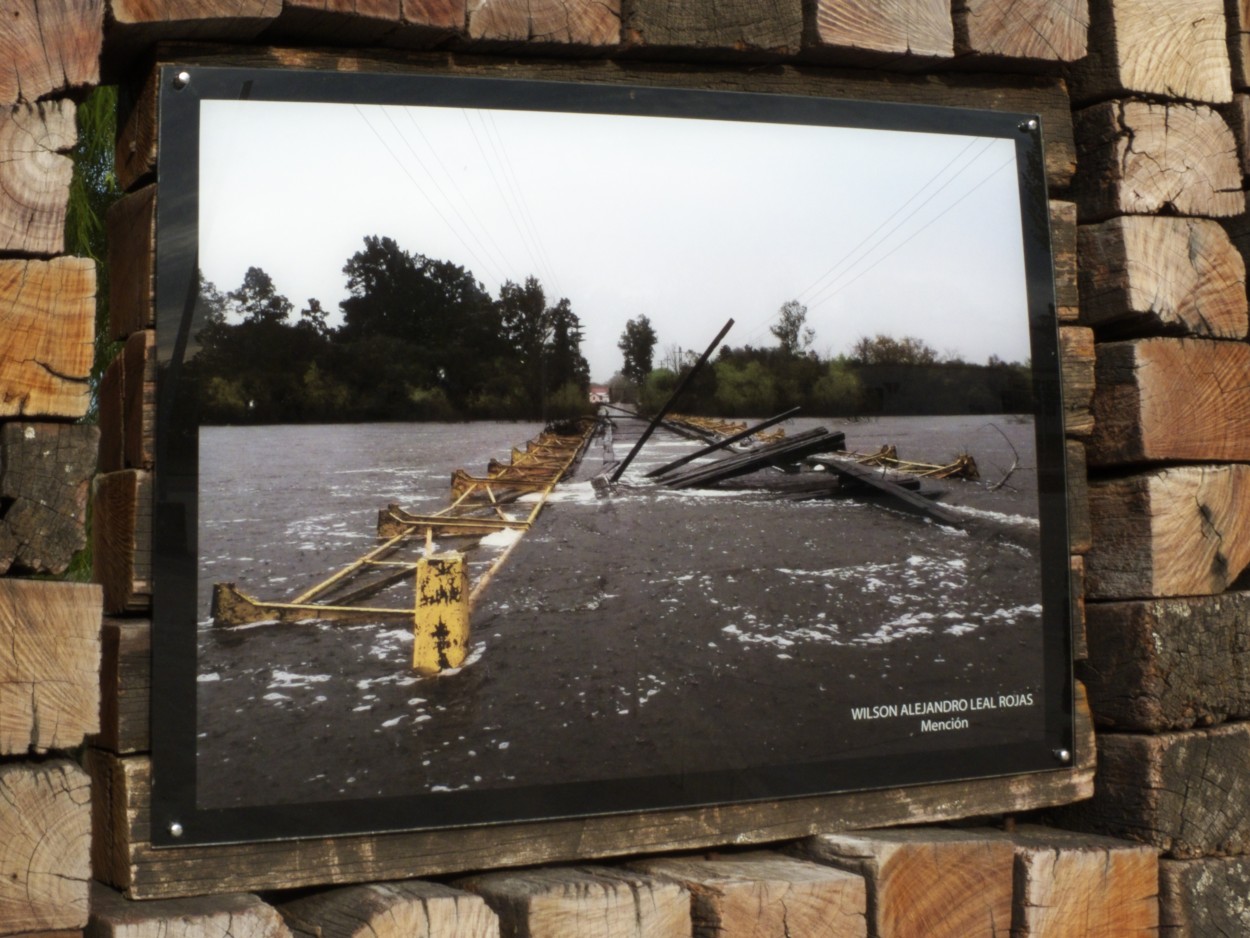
441,619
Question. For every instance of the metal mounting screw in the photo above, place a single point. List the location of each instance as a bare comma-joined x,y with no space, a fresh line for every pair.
175,829
1025,126
181,80
1063,756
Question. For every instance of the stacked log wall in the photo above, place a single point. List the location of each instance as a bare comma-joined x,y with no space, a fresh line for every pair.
1148,223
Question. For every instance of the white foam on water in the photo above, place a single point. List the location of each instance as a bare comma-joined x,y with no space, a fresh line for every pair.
504,537
208,678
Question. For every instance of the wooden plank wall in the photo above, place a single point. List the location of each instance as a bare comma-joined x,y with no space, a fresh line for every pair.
1150,229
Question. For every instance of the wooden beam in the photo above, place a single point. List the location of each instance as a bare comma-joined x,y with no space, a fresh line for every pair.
1238,13
114,916
1145,274
1204,897
349,22
1169,532
1052,30
1076,584
764,893
892,29
1080,537
35,175
579,901
1186,794
586,23
1080,884
1177,50
131,258
1169,664
1076,371
1042,95
134,156
45,478
109,406
45,838
123,855
1171,399
1144,159
137,25
47,324
125,685
139,400
121,534
934,882
1063,253
739,25
49,48
49,673
391,910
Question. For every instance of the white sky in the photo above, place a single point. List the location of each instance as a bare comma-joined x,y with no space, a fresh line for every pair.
689,222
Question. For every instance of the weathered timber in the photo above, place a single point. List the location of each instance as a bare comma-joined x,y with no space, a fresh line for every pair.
45,478
45,836
721,444
391,910
1207,897
1064,258
342,22
1142,159
766,894
49,47
672,399
125,685
927,881
47,324
1076,371
1238,14
1079,534
1081,884
1238,116
901,496
584,902
1170,532
1171,399
134,156
49,691
136,25
1142,275
131,258
1076,586
34,176
789,451
427,20
109,407
1053,30
123,855
1046,96
773,28
121,533
1176,50
891,29
139,400
1169,664
567,22
1188,794
113,916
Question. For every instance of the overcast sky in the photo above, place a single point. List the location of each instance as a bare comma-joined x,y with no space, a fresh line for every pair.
689,222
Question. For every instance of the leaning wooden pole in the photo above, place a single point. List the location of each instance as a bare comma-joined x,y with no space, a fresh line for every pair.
721,444
681,386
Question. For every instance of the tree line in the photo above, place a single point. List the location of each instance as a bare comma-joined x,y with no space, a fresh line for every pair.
880,376
420,339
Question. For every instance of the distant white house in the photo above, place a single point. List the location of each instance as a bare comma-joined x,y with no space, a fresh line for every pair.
598,394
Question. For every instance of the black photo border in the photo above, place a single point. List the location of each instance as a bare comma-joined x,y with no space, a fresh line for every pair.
175,818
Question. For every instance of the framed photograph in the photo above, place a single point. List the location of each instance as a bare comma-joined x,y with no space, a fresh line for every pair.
535,450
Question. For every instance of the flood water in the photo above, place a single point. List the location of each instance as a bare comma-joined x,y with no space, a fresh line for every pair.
646,633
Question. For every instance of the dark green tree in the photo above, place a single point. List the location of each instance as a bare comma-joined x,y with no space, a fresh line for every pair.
257,301
637,344
791,329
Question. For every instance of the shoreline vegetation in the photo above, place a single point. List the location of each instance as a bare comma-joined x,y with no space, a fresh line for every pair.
420,339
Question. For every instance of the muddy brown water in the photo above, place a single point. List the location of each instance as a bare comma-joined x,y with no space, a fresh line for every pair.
648,633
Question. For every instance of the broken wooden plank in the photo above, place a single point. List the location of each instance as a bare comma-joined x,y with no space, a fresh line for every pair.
721,444
785,452
901,497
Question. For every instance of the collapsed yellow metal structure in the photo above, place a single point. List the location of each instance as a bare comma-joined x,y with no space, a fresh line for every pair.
442,598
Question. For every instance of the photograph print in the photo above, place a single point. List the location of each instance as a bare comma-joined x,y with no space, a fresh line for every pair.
554,460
